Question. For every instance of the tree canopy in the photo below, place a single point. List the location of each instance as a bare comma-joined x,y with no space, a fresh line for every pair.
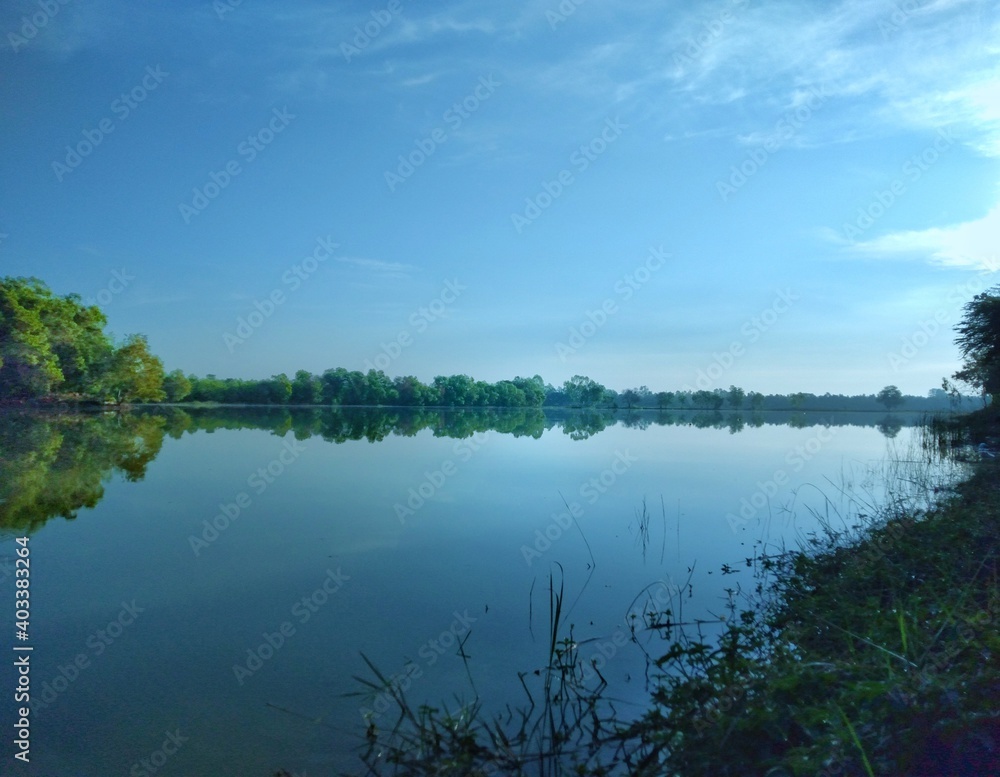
978,339
51,344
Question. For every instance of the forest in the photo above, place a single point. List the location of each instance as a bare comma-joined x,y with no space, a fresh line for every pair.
56,349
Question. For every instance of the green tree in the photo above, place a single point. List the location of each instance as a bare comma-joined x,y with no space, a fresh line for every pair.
630,397
979,343
735,397
533,389
711,400
277,389
756,400
307,389
890,396
664,399
176,386
134,373
583,391
380,389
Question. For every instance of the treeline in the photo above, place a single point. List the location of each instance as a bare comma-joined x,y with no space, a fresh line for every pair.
56,347
342,388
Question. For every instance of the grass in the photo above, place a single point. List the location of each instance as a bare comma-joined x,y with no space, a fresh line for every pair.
873,650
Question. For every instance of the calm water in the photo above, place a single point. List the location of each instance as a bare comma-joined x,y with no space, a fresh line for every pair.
390,535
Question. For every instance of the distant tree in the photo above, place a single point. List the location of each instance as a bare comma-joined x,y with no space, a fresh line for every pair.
307,389
735,397
410,392
890,396
797,399
134,373
979,342
664,399
630,397
756,400
533,389
707,399
276,390
380,389
176,386
583,391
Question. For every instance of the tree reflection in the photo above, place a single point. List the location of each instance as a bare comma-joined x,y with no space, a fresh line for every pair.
55,464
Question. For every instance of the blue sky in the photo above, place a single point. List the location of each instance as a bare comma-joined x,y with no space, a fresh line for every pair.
783,196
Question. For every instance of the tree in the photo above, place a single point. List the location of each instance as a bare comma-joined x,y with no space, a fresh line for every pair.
630,397
756,400
583,391
890,396
48,343
134,373
979,342
707,399
307,389
735,397
664,399
28,367
176,386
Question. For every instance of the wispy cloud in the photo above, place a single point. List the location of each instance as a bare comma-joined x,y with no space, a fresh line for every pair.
967,244
378,267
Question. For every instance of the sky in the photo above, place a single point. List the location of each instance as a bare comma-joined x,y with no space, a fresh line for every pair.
784,196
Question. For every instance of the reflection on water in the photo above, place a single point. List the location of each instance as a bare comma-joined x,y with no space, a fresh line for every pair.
55,464
158,631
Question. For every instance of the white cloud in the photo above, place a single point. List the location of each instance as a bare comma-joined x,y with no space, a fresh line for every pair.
378,266
967,244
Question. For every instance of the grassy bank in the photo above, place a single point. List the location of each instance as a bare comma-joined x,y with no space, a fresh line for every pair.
876,656
874,652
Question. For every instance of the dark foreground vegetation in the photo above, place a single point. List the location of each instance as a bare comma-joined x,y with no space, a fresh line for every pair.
874,651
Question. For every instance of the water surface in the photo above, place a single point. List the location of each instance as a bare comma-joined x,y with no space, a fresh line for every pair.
216,576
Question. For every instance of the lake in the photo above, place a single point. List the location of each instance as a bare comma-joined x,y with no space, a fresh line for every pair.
205,582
